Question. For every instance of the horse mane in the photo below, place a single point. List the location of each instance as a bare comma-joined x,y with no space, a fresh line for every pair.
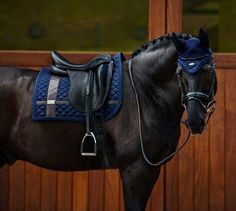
158,42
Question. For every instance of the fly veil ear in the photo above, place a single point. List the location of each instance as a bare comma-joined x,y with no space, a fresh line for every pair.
203,37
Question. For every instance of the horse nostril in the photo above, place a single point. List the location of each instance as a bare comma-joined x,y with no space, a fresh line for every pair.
202,124
196,126
188,123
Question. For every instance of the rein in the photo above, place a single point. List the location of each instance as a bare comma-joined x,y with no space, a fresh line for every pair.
140,126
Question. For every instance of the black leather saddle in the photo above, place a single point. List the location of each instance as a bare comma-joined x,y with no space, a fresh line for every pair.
96,75
89,86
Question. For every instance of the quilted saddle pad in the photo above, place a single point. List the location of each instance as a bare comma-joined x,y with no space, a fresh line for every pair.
62,109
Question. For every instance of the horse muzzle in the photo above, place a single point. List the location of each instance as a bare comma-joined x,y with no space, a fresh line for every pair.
200,107
195,126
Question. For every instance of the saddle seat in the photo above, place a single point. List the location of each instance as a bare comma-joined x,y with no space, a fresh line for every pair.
61,62
91,79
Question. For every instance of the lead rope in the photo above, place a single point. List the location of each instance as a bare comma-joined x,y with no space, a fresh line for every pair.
140,127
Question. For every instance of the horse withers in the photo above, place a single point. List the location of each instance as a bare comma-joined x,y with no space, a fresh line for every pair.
163,78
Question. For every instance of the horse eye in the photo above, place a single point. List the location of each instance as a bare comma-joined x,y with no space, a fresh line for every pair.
209,67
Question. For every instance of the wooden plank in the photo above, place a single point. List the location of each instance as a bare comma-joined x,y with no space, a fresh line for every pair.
122,205
230,145
174,15
42,58
158,194
157,18
64,191
48,190
225,60
185,172
217,147
32,188
96,190
174,21
157,27
17,187
38,58
201,171
111,190
171,185
80,191
4,188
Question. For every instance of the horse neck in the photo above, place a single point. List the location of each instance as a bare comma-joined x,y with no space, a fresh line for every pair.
157,84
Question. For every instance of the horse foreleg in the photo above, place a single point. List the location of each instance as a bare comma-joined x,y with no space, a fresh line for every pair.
138,180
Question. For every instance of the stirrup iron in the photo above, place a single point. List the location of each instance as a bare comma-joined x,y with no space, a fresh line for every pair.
86,136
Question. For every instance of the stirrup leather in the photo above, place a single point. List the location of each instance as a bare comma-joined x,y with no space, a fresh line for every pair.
89,119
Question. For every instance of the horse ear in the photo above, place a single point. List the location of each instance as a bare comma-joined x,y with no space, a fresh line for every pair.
179,45
203,37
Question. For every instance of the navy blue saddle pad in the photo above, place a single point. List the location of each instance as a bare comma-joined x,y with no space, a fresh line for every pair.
63,109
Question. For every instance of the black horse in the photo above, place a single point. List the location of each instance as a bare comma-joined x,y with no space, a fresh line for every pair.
162,78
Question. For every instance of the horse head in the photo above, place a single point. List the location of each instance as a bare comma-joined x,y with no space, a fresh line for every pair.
197,79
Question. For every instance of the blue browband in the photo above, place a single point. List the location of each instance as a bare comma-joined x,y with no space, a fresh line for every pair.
193,65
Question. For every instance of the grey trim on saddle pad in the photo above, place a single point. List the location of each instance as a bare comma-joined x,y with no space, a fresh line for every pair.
52,96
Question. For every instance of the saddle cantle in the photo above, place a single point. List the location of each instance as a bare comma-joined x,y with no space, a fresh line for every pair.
94,76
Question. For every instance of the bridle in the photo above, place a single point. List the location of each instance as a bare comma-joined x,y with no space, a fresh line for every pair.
206,101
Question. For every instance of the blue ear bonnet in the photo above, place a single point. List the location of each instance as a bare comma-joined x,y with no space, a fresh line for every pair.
194,56
193,65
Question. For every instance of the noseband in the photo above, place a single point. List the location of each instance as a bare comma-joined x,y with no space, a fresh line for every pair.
206,101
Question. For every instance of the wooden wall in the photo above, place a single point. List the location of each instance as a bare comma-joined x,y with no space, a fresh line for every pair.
201,177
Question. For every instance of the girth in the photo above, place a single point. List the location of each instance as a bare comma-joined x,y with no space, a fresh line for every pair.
89,86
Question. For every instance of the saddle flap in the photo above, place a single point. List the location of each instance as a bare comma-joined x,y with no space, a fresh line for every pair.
79,81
